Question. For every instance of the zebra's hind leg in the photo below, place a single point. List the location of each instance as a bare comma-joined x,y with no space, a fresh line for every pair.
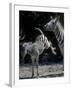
24,54
24,58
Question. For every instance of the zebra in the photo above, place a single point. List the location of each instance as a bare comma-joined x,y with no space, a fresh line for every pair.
35,49
55,26
43,38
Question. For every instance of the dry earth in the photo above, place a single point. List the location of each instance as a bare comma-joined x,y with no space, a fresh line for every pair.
54,70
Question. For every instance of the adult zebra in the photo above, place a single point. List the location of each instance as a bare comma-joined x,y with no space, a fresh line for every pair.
55,26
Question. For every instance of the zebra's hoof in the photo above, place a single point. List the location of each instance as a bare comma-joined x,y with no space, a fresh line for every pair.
38,75
32,75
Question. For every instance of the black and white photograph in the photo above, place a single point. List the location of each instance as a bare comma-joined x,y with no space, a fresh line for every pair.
41,44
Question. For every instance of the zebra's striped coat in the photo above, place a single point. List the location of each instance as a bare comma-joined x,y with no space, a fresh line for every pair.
55,26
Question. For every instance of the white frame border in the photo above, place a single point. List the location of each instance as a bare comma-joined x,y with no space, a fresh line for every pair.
14,46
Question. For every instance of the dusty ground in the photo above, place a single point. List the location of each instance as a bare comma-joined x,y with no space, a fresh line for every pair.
44,71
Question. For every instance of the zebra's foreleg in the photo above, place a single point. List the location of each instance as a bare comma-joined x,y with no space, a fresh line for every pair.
37,64
32,67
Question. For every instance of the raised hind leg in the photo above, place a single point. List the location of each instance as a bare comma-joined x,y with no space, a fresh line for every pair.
52,48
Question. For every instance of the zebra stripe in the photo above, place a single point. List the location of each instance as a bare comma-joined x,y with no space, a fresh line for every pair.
40,38
43,39
59,38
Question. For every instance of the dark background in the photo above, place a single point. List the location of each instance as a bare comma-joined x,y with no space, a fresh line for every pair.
30,19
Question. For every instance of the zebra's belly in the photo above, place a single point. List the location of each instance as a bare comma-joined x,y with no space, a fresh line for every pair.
35,50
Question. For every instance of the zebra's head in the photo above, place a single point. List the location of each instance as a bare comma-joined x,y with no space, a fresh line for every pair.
51,25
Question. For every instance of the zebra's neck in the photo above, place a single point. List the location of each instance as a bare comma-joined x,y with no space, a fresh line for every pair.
60,27
59,33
